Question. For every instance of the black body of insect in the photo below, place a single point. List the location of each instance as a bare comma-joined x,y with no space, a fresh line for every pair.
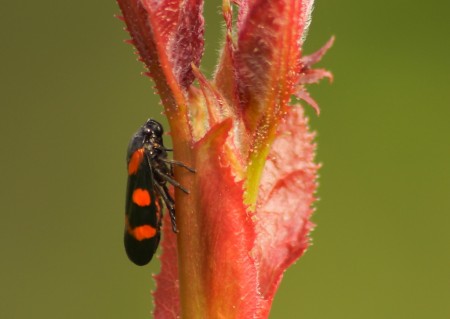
149,170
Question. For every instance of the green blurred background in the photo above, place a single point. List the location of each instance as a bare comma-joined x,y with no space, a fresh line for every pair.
71,96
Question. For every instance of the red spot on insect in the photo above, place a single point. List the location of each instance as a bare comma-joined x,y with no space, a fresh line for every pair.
142,232
141,197
135,161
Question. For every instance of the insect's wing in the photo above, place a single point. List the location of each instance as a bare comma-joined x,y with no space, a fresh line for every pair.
143,211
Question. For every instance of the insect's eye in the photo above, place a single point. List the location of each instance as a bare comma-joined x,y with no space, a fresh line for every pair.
157,128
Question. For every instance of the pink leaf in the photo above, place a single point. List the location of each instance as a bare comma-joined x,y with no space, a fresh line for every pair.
284,205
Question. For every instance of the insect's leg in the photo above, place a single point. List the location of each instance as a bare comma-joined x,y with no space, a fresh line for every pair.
173,162
162,148
170,204
169,179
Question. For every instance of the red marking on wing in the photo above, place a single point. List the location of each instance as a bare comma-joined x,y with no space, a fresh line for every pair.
141,197
135,161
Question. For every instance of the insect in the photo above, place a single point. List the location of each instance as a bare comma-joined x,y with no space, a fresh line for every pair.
149,170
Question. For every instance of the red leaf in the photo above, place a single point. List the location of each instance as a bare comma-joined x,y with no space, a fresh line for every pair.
310,60
216,237
225,77
167,294
247,217
169,37
181,28
303,94
308,75
268,54
264,41
267,60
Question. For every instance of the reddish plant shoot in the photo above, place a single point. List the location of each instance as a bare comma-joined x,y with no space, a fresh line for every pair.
247,217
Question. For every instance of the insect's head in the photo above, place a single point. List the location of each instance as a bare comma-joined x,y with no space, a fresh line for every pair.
151,127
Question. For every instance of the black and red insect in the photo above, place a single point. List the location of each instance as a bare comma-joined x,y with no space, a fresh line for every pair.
149,171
